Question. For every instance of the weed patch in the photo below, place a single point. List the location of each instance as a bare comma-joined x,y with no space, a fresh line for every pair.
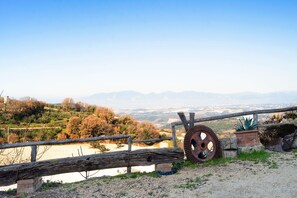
273,165
135,175
295,152
256,156
212,162
50,184
192,184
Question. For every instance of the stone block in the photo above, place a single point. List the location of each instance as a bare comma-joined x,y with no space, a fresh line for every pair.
248,149
167,167
29,185
228,143
229,153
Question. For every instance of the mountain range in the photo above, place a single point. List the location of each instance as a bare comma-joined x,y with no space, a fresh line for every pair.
132,99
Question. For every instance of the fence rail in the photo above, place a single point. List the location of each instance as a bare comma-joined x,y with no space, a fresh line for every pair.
232,115
9,174
56,142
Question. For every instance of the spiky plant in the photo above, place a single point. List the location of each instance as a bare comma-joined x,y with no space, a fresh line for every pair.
246,124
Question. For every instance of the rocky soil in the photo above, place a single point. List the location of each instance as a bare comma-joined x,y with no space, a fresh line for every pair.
276,177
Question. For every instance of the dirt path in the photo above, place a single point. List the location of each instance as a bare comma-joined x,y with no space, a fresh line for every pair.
276,178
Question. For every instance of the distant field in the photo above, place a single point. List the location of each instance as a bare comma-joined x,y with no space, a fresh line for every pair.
220,126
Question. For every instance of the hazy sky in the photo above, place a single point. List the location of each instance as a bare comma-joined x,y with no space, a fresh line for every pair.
74,48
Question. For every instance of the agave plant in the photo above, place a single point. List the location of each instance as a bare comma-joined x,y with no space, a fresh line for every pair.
246,124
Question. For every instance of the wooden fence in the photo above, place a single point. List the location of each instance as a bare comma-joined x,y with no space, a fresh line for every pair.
10,174
190,123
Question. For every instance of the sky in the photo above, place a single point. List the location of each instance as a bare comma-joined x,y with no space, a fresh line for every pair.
59,48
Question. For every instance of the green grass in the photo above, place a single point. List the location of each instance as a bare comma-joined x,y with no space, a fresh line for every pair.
295,152
273,165
192,184
136,175
50,184
212,162
256,156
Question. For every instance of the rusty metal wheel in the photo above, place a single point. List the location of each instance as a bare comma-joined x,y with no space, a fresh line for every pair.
201,144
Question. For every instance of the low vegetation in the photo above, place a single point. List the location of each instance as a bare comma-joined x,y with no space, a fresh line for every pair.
32,120
194,183
256,156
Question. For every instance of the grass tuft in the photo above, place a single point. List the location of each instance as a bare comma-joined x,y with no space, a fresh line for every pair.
50,184
256,156
295,152
193,184
136,175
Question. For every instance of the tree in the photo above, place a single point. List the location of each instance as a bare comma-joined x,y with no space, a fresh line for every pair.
105,114
68,104
13,138
79,106
127,125
73,127
147,130
61,136
93,126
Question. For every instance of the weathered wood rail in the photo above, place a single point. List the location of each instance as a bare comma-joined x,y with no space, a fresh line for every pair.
232,115
12,173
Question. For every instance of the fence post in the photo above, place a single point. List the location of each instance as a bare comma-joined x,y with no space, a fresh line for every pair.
192,118
173,136
184,120
33,153
129,150
255,117
8,134
30,185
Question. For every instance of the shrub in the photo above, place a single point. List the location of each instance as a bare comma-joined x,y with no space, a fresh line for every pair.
96,144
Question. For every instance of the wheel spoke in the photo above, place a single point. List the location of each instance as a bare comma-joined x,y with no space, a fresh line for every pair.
207,139
196,151
197,138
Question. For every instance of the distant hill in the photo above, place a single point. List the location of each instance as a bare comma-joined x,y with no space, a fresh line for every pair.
132,99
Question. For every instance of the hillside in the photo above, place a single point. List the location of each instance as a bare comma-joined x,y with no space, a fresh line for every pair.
33,120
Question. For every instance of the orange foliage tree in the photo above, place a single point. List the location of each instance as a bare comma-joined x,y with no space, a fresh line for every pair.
105,114
67,104
147,130
127,125
73,127
13,138
61,136
93,126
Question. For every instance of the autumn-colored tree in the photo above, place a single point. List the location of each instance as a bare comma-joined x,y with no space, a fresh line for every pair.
147,130
2,140
61,136
127,125
105,114
90,108
73,127
13,138
79,106
68,104
93,126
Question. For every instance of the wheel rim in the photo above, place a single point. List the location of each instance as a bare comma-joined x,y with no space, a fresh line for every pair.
201,144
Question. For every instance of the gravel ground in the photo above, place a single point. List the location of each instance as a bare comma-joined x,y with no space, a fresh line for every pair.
278,178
